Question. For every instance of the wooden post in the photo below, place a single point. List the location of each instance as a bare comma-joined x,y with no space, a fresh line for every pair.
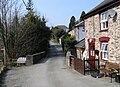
84,66
98,66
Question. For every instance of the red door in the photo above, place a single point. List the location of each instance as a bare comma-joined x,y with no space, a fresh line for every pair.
91,43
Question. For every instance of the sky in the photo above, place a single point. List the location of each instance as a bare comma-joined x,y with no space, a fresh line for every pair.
59,12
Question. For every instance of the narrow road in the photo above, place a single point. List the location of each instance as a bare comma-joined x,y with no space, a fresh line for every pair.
52,72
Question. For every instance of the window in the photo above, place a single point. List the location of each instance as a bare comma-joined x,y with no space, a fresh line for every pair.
104,21
104,50
92,50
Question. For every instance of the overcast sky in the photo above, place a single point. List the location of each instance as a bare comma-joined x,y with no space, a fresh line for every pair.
59,12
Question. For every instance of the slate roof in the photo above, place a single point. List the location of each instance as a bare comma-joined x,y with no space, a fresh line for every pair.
106,4
81,44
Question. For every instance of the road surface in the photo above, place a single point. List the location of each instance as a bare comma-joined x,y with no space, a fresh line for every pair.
52,72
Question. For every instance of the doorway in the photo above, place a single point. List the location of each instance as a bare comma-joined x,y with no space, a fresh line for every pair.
91,43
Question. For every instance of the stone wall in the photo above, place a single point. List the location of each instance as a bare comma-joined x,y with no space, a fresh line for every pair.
92,30
35,58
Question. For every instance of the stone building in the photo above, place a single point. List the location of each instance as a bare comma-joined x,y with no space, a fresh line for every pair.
102,31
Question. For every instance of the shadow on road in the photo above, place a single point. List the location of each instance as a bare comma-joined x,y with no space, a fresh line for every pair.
2,78
55,51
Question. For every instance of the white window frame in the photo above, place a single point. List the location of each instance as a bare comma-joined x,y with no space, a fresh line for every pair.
103,50
104,20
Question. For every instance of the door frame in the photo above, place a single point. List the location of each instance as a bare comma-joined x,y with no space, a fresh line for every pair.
91,42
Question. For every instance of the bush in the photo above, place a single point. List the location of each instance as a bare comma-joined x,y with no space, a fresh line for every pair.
68,42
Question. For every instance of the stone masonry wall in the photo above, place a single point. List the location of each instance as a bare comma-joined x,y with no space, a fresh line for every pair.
92,30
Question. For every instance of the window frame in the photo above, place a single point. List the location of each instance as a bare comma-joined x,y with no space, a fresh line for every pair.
103,51
104,21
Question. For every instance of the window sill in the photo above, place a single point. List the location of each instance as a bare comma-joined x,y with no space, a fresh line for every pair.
104,59
106,30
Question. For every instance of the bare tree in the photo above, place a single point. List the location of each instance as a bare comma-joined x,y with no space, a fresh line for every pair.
9,13
21,35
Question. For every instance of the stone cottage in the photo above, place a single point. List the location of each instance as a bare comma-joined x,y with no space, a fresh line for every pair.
102,31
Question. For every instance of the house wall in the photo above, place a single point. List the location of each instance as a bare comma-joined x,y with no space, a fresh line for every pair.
77,34
73,32
92,30
80,34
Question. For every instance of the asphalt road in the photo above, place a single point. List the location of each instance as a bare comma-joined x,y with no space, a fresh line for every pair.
52,72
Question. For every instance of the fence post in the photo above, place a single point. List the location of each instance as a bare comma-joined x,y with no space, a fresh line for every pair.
69,61
84,66
98,66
